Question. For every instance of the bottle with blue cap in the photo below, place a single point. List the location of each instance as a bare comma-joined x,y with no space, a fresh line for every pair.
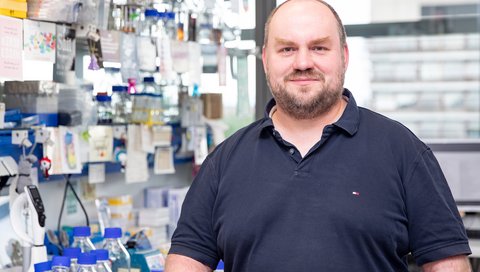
81,238
60,264
121,104
87,262
147,42
43,266
104,108
103,262
118,254
72,253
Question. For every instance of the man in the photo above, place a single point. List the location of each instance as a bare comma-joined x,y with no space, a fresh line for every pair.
320,184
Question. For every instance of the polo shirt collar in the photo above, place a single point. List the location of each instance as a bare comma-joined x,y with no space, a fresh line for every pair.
349,121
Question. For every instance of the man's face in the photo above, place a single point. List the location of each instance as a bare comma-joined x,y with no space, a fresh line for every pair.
303,60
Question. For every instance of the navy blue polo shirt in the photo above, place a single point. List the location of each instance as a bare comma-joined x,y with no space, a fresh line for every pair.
364,197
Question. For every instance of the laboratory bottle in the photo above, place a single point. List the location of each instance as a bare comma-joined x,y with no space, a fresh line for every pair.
117,253
149,25
205,30
153,100
104,108
81,239
89,113
140,108
87,262
155,114
121,104
170,25
149,86
112,77
147,42
72,253
164,52
103,262
60,264
43,266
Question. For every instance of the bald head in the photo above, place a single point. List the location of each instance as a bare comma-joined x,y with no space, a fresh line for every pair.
340,27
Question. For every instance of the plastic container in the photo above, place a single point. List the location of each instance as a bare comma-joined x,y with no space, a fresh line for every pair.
60,264
87,262
118,254
43,267
81,239
104,109
121,211
103,262
121,104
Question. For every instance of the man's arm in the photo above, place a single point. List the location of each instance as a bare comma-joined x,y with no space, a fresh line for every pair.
451,264
179,263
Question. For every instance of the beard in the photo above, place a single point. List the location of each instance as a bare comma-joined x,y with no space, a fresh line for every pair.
299,107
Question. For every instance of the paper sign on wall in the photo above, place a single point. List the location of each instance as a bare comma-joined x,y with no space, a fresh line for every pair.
39,40
96,173
100,143
70,150
11,48
110,45
64,67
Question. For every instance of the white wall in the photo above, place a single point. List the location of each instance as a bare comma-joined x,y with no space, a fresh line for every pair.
395,11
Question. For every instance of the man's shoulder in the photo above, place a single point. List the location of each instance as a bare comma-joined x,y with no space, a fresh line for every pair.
373,119
388,129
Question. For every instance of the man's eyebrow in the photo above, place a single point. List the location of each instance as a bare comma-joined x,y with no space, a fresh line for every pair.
284,42
281,41
321,40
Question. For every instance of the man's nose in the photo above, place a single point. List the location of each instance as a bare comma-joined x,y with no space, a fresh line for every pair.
303,60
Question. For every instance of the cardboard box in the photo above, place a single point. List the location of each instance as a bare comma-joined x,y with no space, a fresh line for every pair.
212,105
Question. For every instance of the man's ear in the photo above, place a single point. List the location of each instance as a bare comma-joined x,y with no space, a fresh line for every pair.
345,56
264,59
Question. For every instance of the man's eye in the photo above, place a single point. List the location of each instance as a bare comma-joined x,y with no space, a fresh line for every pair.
286,50
319,48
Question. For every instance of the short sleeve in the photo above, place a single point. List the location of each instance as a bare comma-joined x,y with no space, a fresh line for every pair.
194,236
436,229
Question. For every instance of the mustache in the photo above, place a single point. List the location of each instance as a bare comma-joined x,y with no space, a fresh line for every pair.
299,74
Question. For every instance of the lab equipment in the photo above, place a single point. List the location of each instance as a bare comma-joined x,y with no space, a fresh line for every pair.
104,109
103,263
43,266
143,255
121,104
72,253
87,262
147,260
81,239
60,264
27,215
118,254
8,171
